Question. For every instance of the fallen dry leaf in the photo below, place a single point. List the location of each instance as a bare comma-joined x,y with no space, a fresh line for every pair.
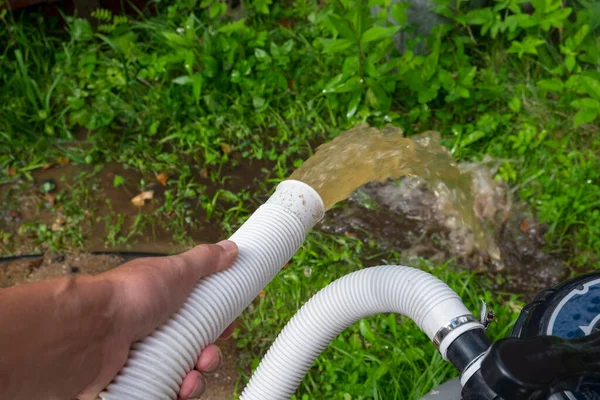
59,224
524,226
226,148
162,178
50,198
62,161
12,171
261,294
141,198
204,173
14,214
48,166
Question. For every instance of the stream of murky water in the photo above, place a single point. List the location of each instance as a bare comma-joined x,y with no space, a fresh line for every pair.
366,154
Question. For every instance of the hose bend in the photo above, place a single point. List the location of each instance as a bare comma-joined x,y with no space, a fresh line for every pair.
411,292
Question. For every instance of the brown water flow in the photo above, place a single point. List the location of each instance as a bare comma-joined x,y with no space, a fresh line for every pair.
365,154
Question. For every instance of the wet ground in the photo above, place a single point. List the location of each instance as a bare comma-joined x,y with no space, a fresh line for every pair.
94,214
408,217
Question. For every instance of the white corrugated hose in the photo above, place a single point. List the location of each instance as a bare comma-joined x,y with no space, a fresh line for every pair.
157,365
411,292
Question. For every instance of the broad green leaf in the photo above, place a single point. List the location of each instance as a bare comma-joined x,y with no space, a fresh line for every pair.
466,76
81,30
586,103
555,19
365,331
79,117
336,45
378,33
515,104
527,46
262,6
591,86
554,84
581,34
585,115
398,12
258,102
342,27
377,96
336,81
214,10
381,370
478,17
190,31
177,40
473,137
262,55
570,62
118,181
430,65
462,92
347,86
354,103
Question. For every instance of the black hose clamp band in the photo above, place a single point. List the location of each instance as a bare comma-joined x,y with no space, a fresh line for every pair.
452,325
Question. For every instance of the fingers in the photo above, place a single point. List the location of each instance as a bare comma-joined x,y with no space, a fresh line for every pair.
193,385
207,259
228,332
209,360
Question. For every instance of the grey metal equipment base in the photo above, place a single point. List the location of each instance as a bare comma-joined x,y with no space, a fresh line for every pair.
446,391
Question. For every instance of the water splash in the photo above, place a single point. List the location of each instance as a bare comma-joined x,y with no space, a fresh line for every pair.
366,154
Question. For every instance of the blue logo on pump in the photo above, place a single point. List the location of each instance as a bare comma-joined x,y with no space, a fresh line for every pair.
578,313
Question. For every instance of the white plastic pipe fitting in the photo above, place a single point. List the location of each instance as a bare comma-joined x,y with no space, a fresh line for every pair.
411,292
157,365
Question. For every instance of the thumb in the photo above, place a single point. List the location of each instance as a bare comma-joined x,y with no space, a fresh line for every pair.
207,259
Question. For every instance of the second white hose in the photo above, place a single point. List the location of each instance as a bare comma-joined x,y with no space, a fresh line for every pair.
411,292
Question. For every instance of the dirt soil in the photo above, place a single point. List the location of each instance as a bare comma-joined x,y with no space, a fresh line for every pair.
221,385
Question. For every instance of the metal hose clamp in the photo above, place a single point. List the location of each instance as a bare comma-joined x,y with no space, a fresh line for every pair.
452,325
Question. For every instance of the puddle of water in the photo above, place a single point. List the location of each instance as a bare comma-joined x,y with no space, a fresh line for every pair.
366,154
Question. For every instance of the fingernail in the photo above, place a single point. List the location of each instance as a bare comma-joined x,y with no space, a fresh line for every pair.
227,245
212,368
199,389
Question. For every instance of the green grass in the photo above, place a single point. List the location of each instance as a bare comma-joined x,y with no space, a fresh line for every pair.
190,93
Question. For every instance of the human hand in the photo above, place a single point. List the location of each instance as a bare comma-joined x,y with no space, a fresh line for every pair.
147,291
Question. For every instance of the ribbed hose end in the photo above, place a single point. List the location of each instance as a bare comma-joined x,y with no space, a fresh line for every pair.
266,242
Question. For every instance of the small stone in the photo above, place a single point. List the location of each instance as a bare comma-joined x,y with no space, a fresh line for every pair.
57,259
